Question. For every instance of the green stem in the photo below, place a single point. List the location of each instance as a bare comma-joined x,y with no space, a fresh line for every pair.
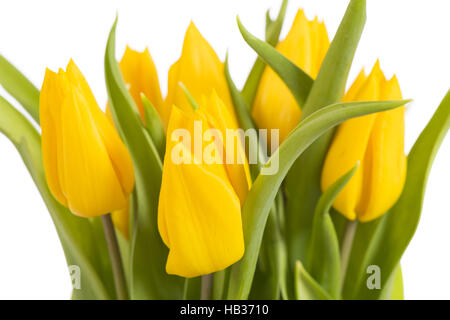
346,248
207,281
114,256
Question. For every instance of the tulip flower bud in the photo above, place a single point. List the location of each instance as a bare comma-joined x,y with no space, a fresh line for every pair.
200,71
377,142
199,214
305,45
87,166
139,73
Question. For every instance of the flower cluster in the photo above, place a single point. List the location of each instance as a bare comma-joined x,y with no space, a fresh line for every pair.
185,178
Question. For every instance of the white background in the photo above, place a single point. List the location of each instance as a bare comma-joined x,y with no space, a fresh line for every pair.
410,38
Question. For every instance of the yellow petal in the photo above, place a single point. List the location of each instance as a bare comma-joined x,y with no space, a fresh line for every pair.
75,81
119,156
139,72
305,45
200,70
319,44
275,107
237,166
355,87
385,170
91,185
349,146
173,92
199,216
299,45
117,151
324,43
49,108
140,75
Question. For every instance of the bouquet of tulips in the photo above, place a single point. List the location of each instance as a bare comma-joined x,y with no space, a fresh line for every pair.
182,197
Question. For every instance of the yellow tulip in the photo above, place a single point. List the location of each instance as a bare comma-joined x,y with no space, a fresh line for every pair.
139,73
305,45
87,166
199,215
200,70
377,142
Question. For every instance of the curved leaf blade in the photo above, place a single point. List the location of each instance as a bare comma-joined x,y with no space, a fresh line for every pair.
262,194
273,30
149,254
302,185
273,27
154,126
306,288
220,283
18,86
397,287
273,251
240,104
323,261
246,122
298,82
393,290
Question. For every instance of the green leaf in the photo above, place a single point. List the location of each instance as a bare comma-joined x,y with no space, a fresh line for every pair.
339,222
275,246
273,30
262,194
246,122
302,185
220,284
192,288
154,126
18,86
382,242
270,273
393,290
149,254
397,288
306,288
240,105
82,246
273,251
298,82
273,27
323,261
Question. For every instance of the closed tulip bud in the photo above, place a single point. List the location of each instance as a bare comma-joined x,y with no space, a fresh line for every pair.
199,215
139,73
305,45
377,142
87,166
199,70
